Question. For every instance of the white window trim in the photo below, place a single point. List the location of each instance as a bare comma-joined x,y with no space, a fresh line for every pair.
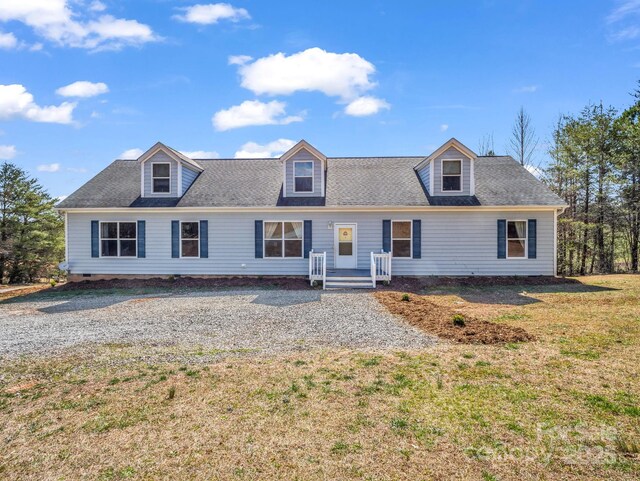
264,240
442,161
402,238
154,177
526,239
313,178
117,239
189,239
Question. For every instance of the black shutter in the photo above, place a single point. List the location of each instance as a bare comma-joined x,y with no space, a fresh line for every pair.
533,238
142,251
308,241
502,239
95,238
258,239
386,235
175,239
204,239
417,239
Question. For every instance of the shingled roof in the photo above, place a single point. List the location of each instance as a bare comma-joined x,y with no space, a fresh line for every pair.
350,181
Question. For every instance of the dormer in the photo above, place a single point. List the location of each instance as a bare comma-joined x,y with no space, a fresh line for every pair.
165,172
449,171
303,171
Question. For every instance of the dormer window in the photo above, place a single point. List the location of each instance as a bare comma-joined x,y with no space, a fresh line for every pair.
303,176
161,178
452,175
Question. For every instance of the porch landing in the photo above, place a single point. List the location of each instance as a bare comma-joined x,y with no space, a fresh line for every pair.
348,273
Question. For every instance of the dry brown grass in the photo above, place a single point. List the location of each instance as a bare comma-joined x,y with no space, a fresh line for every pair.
563,407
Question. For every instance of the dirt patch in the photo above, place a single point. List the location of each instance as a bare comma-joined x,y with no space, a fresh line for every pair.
289,283
22,292
439,320
420,284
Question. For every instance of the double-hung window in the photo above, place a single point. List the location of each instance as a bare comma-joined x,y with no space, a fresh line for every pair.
516,239
401,238
303,176
190,239
283,239
161,178
451,175
118,239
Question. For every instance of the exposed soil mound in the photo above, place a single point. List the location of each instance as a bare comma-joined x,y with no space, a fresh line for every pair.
439,320
190,282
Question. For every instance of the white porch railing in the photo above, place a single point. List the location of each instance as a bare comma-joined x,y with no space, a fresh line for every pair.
380,267
318,268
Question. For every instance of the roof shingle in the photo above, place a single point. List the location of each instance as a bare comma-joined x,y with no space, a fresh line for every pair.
350,181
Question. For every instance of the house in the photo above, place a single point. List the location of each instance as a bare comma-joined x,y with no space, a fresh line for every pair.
351,220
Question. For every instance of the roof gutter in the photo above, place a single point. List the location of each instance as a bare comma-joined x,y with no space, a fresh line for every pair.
382,208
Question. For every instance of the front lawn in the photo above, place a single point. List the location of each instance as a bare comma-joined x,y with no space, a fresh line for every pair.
565,406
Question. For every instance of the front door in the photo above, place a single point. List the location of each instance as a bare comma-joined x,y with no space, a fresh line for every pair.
345,246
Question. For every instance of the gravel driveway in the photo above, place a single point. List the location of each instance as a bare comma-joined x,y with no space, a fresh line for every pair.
258,320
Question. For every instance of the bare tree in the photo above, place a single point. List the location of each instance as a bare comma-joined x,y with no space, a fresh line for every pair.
485,146
523,141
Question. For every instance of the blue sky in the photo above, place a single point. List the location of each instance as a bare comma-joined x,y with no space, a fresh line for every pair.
249,77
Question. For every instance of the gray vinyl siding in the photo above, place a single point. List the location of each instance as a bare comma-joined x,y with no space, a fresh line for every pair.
437,173
148,185
453,243
425,176
188,176
304,154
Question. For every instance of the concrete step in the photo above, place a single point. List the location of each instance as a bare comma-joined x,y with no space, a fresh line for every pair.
362,283
348,279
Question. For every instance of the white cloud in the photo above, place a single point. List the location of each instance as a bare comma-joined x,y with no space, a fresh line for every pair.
257,151
131,154
537,171
97,6
239,59
363,106
16,102
526,89
60,198
83,88
253,112
625,9
8,41
444,127
56,21
344,75
212,13
201,154
48,167
7,152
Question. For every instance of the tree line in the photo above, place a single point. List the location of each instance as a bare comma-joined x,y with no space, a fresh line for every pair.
31,231
595,168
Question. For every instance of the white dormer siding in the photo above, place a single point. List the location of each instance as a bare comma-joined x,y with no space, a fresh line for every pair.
303,155
147,169
430,170
188,176
451,154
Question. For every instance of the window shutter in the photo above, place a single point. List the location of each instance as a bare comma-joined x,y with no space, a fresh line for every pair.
532,238
258,239
204,239
386,235
308,241
417,239
502,238
175,239
95,238
142,251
